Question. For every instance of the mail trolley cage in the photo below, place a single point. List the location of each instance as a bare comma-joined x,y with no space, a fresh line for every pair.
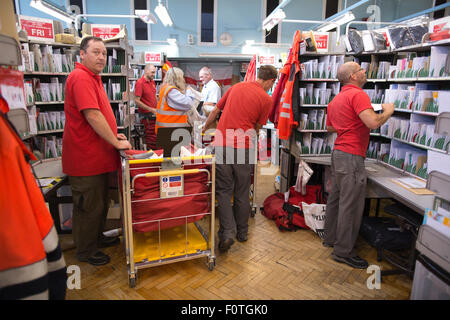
167,229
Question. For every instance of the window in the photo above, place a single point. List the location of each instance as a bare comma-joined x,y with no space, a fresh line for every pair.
76,6
330,8
141,29
440,13
271,36
208,21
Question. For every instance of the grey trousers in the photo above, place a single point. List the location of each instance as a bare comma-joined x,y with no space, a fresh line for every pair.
345,203
233,179
90,208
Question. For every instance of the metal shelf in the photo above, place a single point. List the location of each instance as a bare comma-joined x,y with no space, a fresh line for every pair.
45,73
50,131
314,105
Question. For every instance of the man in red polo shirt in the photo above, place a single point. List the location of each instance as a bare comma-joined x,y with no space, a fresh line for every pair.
245,108
351,115
145,97
90,144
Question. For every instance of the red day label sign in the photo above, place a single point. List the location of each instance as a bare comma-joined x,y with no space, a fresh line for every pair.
321,41
151,57
267,60
105,32
37,29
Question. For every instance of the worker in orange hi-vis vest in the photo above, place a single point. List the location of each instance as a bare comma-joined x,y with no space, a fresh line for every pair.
31,262
175,100
288,103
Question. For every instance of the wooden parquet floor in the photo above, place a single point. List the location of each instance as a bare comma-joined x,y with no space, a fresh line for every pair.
270,265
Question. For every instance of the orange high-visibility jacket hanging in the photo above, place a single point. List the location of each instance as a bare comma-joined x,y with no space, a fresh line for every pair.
289,99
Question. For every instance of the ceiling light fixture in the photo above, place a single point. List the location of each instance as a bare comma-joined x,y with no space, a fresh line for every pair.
146,16
340,20
273,19
52,10
163,14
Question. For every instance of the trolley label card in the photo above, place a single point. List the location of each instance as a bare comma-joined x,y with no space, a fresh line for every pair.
153,57
37,28
105,31
171,186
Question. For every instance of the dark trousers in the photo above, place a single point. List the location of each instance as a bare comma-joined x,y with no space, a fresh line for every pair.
233,179
150,134
90,208
345,203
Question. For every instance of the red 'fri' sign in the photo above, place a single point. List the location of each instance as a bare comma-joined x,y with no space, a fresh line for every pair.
37,28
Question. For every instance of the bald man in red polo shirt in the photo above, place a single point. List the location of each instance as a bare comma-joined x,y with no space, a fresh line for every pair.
90,151
351,115
145,93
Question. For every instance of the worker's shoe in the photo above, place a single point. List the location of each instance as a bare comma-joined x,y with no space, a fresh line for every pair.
97,259
108,242
224,245
355,262
326,244
241,237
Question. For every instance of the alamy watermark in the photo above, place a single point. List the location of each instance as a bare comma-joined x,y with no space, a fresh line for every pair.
73,277
243,152
374,280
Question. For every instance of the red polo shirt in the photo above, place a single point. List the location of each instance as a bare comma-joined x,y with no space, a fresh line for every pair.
343,115
85,153
244,105
146,90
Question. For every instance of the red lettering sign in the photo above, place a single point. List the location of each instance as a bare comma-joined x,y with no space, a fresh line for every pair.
105,31
153,57
37,28
321,41
267,60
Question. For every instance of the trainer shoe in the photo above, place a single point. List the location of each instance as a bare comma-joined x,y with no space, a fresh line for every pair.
108,242
97,259
241,237
225,245
355,262
326,244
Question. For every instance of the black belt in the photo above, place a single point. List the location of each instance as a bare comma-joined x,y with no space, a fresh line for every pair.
147,115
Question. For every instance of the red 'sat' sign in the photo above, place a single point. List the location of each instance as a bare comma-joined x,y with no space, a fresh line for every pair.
152,57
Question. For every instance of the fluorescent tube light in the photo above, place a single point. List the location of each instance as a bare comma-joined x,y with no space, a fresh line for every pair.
342,19
146,16
273,19
163,15
52,10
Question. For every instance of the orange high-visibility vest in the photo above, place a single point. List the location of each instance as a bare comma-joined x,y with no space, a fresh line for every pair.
286,117
167,116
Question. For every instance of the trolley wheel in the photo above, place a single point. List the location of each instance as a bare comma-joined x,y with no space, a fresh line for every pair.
132,282
211,262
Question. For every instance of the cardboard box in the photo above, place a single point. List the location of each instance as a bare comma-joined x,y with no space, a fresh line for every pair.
65,38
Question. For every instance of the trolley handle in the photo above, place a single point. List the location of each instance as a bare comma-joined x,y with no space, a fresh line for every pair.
209,156
167,173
